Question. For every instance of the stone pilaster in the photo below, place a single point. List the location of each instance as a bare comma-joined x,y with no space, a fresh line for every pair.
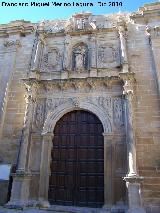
108,192
45,169
153,34
132,178
25,139
30,101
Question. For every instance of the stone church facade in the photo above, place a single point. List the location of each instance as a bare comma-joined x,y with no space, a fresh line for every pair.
80,116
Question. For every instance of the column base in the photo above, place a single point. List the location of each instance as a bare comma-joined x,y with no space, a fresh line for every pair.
16,204
20,190
44,204
106,209
133,183
136,210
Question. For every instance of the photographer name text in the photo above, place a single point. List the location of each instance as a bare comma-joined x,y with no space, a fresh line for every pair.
61,4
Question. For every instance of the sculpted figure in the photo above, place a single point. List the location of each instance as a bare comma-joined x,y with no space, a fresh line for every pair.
79,56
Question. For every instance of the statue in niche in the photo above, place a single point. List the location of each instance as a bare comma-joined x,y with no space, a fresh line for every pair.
80,57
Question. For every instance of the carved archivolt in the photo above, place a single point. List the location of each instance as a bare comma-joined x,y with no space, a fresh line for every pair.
76,104
108,110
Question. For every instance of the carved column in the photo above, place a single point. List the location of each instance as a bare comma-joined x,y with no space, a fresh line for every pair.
132,178
21,181
108,192
123,45
26,133
45,169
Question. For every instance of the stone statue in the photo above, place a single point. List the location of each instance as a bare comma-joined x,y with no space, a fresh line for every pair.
79,54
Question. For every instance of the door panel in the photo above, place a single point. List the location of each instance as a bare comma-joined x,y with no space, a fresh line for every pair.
77,166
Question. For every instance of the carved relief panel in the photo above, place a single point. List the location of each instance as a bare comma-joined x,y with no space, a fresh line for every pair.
51,60
118,112
39,113
108,56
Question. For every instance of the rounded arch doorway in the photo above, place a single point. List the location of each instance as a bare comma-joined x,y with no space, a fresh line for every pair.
77,161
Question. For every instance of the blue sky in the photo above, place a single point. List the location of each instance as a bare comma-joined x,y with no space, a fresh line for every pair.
36,14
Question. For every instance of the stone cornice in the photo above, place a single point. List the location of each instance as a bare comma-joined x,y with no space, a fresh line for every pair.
148,11
16,27
77,33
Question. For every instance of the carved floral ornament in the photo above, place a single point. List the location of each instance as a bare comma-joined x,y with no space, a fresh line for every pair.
129,83
81,84
153,31
12,43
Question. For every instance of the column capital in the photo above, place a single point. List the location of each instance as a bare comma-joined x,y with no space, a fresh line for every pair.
129,84
109,136
47,136
134,179
20,173
128,76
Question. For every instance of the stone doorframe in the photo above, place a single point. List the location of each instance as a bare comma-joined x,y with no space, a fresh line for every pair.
47,146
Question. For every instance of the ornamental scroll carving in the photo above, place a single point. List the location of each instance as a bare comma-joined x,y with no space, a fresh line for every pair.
118,112
39,114
51,104
103,102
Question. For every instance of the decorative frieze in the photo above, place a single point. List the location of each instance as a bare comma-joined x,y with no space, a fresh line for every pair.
83,84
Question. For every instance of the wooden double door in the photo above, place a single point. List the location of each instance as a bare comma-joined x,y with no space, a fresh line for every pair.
77,163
